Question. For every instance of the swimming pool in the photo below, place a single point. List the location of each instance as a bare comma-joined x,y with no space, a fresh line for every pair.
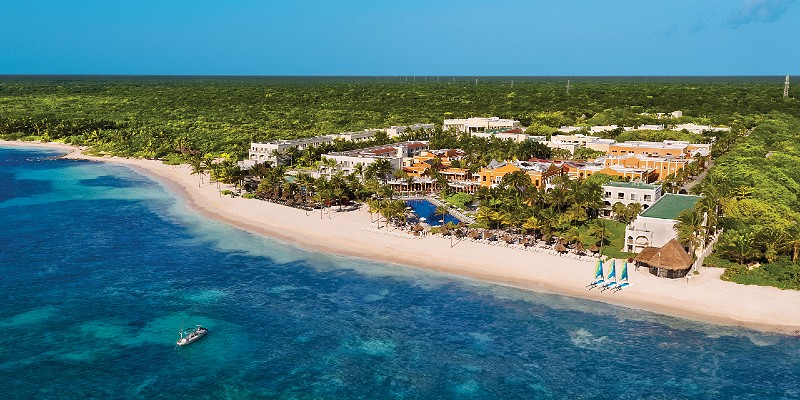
426,209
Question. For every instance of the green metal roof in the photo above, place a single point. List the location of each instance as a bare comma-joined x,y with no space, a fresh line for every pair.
631,185
670,206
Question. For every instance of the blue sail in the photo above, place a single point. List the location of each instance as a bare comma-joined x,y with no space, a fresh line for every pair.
613,273
624,275
623,279
598,271
598,276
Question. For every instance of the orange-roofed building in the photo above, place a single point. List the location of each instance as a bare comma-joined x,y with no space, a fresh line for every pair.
663,166
539,172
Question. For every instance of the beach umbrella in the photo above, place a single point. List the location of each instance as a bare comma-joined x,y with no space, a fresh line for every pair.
579,246
474,234
508,238
462,224
560,248
594,248
418,228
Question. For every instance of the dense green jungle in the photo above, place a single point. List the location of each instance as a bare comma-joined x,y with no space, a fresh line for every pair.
752,192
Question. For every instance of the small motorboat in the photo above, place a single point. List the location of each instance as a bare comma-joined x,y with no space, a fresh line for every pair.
191,335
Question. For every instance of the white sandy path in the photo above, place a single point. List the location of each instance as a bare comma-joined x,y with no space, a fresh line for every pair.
705,298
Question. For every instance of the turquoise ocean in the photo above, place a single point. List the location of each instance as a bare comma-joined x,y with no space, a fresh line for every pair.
100,266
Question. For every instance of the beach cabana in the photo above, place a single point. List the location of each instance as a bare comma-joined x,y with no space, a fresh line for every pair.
560,248
669,261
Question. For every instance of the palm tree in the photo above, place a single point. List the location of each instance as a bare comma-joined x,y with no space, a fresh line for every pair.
532,224
620,211
771,239
441,210
690,229
382,168
573,235
329,164
358,169
517,180
372,207
278,154
197,169
792,240
632,211
599,229
738,245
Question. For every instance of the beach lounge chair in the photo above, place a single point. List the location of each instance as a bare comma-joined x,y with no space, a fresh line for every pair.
599,279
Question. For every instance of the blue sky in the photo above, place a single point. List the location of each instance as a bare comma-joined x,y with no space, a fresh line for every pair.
411,37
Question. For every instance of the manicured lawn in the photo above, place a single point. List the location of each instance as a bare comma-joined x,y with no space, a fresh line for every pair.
617,240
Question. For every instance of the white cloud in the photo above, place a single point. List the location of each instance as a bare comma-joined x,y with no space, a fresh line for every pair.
761,11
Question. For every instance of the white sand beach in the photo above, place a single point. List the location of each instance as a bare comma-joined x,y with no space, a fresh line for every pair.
705,297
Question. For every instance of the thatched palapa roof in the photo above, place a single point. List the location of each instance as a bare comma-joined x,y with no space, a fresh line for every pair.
671,256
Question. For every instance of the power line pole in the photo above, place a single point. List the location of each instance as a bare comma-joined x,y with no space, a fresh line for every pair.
567,87
786,87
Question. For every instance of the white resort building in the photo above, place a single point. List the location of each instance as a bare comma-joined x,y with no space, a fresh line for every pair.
478,124
394,153
656,226
260,152
628,193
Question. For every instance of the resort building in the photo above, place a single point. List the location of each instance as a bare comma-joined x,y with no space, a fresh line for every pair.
602,128
570,129
503,134
272,151
359,136
585,170
663,166
573,142
629,193
699,129
420,169
395,131
555,144
656,226
478,124
394,153
667,148
650,128
541,173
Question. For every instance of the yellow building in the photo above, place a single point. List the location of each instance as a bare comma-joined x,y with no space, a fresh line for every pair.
663,166
540,172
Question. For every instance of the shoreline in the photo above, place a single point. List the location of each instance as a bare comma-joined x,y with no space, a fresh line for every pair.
706,298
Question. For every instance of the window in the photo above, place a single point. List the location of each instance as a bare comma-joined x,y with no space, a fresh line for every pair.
621,196
608,194
648,197
634,196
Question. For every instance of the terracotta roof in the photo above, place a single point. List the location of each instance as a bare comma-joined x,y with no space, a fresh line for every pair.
670,256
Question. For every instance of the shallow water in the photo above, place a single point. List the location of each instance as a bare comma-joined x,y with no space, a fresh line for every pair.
100,266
